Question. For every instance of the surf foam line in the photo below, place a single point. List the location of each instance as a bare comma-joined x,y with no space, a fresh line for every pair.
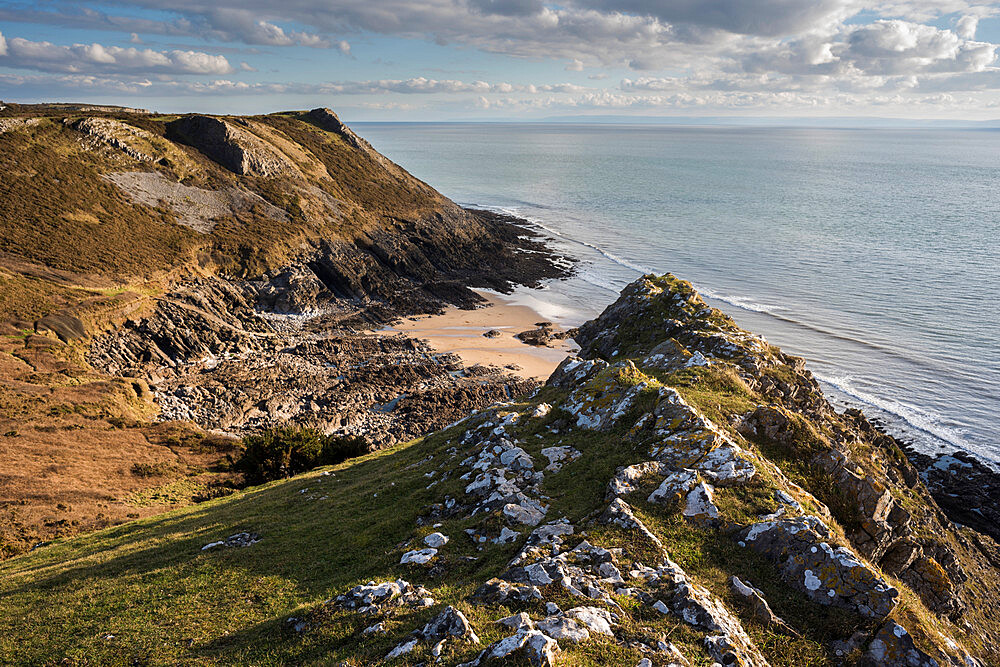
621,261
913,417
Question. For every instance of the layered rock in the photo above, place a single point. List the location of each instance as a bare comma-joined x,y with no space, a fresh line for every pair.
684,475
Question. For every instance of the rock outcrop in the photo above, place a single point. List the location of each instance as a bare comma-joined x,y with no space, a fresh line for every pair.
686,467
231,143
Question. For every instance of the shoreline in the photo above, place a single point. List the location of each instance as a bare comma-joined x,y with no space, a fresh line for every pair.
460,332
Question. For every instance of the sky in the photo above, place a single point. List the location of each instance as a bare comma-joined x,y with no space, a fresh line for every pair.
438,60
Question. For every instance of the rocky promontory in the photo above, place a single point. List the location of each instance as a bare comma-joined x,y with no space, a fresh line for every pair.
678,493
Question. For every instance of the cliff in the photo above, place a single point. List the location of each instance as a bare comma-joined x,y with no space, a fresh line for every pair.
680,494
165,279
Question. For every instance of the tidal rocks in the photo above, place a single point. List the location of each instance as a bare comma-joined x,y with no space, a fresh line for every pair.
216,353
539,337
967,489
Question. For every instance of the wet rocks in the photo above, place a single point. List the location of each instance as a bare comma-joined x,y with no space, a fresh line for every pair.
539,337
213,357
967,489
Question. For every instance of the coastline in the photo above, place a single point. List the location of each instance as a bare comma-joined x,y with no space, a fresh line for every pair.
459,331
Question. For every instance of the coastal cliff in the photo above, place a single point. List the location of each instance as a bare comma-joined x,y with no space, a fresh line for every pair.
678,493
681,493
168,283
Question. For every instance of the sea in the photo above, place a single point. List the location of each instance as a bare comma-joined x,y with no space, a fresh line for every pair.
873,253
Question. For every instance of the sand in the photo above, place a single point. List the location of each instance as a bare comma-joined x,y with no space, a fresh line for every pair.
461,332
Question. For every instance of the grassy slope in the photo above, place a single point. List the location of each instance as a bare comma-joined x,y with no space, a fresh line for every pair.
146,593
72,242
165,601
59,212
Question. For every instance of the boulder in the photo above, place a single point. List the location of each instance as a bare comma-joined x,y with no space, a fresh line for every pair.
826,574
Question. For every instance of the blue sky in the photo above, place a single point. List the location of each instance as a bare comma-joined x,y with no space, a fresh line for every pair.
510,59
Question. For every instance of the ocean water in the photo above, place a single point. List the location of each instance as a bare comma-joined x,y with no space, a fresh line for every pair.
874,254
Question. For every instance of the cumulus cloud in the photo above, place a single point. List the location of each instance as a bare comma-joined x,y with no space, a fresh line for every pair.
738,52
3,45
884,48
966,27
46,56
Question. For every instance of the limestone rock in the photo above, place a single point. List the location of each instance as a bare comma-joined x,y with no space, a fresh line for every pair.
536,647
418,556
828,575
449,623
436,540
235,148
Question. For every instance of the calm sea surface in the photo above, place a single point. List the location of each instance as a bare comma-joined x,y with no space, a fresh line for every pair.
874,254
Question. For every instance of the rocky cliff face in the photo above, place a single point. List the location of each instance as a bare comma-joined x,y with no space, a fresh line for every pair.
685,472
234,264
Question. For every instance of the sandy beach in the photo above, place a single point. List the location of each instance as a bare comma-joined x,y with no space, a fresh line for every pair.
461,332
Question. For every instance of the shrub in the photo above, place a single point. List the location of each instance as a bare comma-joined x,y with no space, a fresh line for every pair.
160,469
282,452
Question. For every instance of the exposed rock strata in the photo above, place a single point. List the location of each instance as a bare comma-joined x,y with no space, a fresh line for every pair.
715,476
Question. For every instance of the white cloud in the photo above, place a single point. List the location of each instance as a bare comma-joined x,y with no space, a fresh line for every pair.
686,52
78,58
966,27
3,45
769,18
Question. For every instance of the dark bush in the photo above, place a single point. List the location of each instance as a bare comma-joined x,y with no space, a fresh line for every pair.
282,452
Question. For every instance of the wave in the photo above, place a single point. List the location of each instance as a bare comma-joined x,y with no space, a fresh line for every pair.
915,418
621,261
739,301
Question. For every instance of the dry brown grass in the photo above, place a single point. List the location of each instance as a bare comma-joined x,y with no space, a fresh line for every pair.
70,441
